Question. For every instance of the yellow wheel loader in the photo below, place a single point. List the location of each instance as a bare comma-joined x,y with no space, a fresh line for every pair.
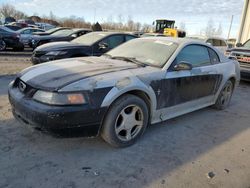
167,27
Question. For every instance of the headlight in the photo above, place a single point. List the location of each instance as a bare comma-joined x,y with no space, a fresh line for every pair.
59,98
227,53
55,53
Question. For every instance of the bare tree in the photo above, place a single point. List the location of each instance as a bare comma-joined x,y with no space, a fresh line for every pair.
7,10
219,30
210,29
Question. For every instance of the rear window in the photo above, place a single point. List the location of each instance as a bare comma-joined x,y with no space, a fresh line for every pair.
213,56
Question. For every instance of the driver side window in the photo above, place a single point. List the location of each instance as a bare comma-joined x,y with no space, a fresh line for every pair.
196,55
28,31
115,41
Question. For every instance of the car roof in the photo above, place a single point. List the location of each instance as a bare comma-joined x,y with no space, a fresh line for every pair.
107,33
23,29
170,39
81,29
202,37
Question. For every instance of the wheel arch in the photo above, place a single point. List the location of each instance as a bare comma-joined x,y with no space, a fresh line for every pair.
144,95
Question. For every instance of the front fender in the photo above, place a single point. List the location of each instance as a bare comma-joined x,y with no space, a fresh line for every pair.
127,85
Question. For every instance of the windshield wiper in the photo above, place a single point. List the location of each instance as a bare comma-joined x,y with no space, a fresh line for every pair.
129,59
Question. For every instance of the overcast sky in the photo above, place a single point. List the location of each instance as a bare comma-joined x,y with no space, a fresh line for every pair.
194,13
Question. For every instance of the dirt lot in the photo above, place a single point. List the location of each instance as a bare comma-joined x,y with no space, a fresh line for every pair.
206,148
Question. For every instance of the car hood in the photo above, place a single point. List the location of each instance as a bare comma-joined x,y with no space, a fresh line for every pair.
56,46
240,49
53,76
47,37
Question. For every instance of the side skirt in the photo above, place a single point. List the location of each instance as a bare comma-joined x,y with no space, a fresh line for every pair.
174,111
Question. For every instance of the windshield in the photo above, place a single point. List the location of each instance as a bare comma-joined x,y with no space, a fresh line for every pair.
90,38
247,44
63,33
153,52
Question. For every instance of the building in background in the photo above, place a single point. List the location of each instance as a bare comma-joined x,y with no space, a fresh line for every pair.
244,33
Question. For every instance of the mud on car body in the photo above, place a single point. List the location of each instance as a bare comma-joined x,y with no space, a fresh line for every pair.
141,82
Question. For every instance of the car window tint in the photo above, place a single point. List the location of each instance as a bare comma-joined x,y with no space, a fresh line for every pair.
216,42
115,41
28,31
194,54
129,37
213,56
222,43
210,41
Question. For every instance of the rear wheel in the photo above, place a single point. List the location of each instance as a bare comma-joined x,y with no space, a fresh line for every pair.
224,97
125,122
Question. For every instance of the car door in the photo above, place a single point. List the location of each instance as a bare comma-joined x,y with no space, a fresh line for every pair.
6,36
107,44
25,35
187,90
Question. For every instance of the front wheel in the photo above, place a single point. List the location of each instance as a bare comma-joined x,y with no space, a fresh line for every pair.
224,97
125,121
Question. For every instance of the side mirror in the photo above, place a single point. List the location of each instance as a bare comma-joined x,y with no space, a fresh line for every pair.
103,45
74,35
183,66
239,44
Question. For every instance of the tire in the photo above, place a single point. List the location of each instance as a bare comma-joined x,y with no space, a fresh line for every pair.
119,128
2,45
224,97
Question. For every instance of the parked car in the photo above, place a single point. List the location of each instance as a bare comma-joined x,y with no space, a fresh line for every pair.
21,25
217,42
242,53
11,38
141,82
51,31
13,27
91,44
26,33
153,35
62,35
45,26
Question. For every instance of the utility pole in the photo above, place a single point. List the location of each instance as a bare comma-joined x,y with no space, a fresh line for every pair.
230,27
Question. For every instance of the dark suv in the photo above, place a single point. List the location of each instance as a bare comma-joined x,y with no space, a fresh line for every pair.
242,54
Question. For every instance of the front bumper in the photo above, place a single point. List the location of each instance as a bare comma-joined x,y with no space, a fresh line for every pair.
55,118
245,71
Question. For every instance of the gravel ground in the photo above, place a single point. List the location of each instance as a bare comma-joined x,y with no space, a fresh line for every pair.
206,148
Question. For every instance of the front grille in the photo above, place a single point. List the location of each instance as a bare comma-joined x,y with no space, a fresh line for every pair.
242,57
38,53
24,88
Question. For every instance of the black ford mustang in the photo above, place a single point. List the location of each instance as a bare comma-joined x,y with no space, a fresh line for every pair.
91,44
146,80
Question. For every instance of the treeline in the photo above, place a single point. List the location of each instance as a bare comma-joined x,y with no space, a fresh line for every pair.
7,10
